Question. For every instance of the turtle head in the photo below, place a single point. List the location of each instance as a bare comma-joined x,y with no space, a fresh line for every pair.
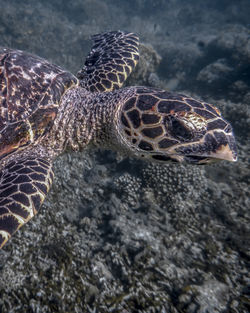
163,126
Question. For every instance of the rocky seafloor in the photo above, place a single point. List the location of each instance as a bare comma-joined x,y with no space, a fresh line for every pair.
122,235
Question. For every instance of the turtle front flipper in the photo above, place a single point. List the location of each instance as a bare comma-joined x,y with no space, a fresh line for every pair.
110,61
24,183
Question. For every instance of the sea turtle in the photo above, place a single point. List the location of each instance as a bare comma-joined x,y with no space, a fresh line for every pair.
45,110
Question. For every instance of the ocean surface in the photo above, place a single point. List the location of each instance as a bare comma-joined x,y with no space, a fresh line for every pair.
122,235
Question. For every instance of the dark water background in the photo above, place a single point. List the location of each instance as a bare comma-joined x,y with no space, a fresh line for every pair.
121,235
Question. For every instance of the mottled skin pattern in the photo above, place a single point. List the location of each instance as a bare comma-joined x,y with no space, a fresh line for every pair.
28,105
45,110
111,60
174,127
24,184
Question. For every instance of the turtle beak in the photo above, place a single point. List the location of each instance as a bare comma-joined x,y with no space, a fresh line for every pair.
224,153
226,150
215,148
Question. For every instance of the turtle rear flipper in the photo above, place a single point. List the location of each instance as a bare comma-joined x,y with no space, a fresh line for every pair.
24,183
110,61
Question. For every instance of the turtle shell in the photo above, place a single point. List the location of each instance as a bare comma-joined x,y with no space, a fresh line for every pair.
30,93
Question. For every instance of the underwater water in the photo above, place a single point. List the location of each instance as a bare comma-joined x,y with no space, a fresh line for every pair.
122,235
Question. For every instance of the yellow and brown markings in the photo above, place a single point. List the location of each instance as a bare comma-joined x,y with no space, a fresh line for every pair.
19,135
24,183
42,120
110,61
30,93
15,136
156,120
28,82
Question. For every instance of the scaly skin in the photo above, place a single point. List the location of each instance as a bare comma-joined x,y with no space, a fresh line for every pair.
140,121
144,122
45,110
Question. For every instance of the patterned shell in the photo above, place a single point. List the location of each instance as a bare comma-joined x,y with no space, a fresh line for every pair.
30,92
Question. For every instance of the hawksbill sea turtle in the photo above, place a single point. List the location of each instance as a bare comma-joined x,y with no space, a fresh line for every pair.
45,110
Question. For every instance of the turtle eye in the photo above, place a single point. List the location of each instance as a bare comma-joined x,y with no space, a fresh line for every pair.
180,130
